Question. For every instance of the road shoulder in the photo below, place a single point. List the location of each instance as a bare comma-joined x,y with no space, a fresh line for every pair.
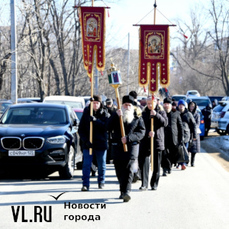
217,147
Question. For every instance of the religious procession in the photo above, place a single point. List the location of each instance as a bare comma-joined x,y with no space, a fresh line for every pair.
143,142
114,114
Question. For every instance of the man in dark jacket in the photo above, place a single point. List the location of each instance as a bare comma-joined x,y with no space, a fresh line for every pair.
110,106
134,131
138,111
189,126
173,136
111,109
99,145
207,112
160,121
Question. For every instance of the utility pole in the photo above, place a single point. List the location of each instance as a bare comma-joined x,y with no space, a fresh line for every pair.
128,65
14,54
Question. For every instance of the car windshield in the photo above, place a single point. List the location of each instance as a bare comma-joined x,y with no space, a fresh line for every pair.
177,98
192,93
35,115
201,102
73,104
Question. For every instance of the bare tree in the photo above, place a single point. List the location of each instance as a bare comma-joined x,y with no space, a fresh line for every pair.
220,37
203,58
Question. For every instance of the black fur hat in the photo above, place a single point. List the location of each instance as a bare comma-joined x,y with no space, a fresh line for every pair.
97,98
128,99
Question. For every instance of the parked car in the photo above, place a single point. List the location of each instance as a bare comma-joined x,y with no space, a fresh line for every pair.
178,97
86,99
29,100
79,112
39,136
72,101
201,101
192,93
3,105
225,98
215,100
220,118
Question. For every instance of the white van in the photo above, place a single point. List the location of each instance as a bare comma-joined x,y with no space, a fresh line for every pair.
72,101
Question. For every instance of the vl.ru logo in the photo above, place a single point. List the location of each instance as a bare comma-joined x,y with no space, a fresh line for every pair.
38,214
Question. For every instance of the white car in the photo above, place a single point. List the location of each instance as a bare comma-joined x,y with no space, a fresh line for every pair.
72,101
225,98
220,118
192,93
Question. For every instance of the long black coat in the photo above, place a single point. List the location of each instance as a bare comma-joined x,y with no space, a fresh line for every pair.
100,135
207,112
134,132
195,146
189,126
160,121
174,130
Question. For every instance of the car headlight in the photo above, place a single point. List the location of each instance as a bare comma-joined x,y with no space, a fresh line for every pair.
57,140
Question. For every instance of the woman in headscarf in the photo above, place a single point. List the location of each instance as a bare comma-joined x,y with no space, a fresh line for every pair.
194,146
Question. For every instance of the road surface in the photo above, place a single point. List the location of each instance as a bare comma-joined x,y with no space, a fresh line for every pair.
195,198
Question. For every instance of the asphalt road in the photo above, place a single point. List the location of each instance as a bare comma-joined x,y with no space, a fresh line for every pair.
195,198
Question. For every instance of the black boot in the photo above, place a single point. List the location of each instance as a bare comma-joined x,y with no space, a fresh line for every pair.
193,159
164,172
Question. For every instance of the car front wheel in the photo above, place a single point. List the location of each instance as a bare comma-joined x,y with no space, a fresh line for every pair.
68,170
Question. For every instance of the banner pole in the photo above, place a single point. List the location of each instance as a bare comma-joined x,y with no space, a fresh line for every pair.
152,138
155,6
152,120
91,112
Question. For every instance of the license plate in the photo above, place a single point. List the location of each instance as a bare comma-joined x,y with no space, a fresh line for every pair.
214,124
21,153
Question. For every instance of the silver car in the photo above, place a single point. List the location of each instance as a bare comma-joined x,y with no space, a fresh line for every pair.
220,118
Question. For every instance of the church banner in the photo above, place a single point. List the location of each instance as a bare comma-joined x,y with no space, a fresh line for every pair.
93,26
154,56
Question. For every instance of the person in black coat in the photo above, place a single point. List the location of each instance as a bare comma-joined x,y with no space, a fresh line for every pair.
111,109
173,136
189,126
99,145
207,112
160,121
134,131
194,147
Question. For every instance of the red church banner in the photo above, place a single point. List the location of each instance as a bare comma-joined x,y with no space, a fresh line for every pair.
93,24
154,56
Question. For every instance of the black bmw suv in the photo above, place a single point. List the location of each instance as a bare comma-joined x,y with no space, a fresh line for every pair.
39,136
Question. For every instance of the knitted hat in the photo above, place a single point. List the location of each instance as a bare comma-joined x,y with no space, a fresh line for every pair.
181,102
128,99
174,104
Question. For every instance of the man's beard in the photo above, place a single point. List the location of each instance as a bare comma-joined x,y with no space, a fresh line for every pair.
128,115
167,109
